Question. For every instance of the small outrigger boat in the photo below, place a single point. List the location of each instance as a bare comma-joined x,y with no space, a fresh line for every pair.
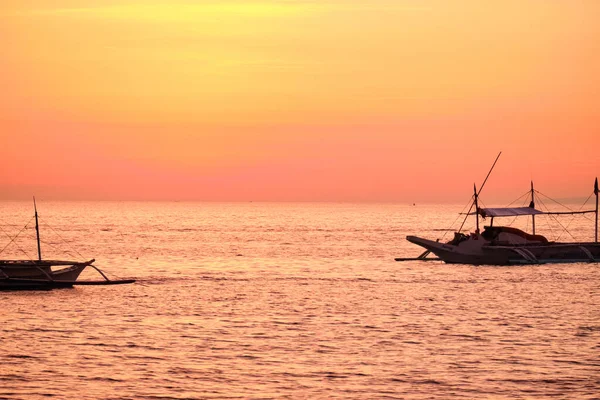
47,274
503,245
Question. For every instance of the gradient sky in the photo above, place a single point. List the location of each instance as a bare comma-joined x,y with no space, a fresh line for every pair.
298,100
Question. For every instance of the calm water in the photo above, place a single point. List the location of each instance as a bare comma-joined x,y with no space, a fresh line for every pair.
265,300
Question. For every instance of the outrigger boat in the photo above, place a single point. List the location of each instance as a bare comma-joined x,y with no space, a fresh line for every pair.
503,245
47,274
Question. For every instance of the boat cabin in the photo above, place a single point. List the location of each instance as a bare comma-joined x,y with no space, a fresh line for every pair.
505,235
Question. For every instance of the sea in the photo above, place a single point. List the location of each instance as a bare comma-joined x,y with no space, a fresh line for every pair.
289,300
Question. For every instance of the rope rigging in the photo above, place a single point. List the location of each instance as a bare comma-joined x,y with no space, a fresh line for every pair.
519,198
584,216
478,192
68,251
522,205
12,239
554,217
540,198
463,210
35,272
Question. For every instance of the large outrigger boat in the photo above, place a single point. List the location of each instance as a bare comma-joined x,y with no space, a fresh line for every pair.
47,274
504,245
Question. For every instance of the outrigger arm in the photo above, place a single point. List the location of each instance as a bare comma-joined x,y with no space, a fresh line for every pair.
422,257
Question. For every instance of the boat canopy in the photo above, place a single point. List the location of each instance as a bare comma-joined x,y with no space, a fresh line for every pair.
520,211
508,212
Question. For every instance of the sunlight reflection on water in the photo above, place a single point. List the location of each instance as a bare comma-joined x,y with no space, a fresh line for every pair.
298,300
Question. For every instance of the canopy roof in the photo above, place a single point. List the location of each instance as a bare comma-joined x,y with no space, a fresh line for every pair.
508,212
519,211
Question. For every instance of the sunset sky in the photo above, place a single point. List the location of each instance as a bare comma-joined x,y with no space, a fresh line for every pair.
297,100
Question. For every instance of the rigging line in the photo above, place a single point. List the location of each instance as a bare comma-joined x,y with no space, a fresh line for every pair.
588,218
54,246
57,248
522,205
64,241
6,234
586,200
462,211
557,221
549,221
482,206
471,203
488,175
520,197
27,255
548,217
584,216
583,205
10,237
557,202
12,240
568,208
477,193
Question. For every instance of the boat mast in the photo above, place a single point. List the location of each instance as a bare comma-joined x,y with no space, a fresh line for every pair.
476,194
596,193
532,205
476,210
37,231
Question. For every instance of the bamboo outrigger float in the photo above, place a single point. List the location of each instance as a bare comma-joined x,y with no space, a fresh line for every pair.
503,245
48,274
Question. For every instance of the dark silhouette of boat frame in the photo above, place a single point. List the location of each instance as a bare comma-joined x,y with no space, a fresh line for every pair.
48,274
501,245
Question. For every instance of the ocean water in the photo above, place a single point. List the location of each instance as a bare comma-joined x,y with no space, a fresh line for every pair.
283,300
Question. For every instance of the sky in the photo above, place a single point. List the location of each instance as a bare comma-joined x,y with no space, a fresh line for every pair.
298,100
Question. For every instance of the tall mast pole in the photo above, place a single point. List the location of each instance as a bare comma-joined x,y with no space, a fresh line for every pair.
476,194
596,193
476,210
532,205
37,231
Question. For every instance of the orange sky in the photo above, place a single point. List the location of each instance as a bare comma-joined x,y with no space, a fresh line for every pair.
329,100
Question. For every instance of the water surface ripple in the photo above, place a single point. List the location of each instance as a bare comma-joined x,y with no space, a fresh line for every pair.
290,301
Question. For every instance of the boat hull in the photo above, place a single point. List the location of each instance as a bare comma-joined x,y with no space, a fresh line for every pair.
477,251
17,275
452,254
583,252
